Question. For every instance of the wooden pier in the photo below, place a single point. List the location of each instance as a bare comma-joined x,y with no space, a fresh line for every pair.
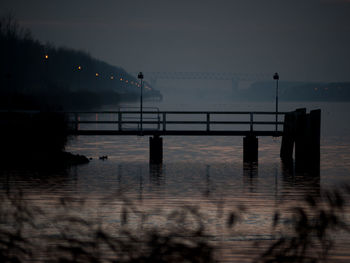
182,123
298,129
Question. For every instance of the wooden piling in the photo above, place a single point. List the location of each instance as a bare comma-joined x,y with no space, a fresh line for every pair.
304,131
300,138
156,149
288,137
250,149
314,138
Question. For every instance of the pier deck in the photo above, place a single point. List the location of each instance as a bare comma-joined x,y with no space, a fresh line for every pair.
155,123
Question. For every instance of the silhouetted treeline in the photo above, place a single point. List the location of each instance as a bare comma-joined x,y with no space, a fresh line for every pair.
32,72
297,91
36,139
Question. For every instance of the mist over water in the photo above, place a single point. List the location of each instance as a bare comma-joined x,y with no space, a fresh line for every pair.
205,172
217,151
219,95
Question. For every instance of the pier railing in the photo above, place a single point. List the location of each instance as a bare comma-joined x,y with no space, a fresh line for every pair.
125,121
301,131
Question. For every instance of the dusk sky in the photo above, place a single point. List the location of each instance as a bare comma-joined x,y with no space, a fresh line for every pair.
301,39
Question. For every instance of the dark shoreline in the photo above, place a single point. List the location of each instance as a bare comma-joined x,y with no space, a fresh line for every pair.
41,161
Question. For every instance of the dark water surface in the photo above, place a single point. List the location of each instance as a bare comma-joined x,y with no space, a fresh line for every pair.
205,172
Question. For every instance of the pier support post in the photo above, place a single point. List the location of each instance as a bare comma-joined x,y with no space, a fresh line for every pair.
301,147
156,149
304,131
314,139
250,149
288,138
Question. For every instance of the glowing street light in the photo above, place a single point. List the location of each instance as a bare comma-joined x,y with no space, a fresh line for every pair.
79,70
276,77
46,62
97,74
140,76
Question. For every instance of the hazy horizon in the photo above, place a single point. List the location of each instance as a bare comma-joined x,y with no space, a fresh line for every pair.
302,40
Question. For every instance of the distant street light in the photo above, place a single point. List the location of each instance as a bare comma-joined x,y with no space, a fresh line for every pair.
79,70
276,77
46,62
140,76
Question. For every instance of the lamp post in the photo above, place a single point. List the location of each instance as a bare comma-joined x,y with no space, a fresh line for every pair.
276,77
140,76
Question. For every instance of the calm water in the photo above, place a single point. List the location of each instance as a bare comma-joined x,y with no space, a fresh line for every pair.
206,172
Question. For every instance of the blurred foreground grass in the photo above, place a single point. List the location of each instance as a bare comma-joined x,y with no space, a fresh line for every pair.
70,233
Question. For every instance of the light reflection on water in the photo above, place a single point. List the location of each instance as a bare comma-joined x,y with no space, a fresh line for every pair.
207,172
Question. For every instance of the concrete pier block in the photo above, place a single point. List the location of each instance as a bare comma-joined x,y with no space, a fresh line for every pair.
156,149
250,149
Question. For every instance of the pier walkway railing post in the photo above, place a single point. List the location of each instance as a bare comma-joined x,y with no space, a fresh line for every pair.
208,122
164,121
251,122
120,121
